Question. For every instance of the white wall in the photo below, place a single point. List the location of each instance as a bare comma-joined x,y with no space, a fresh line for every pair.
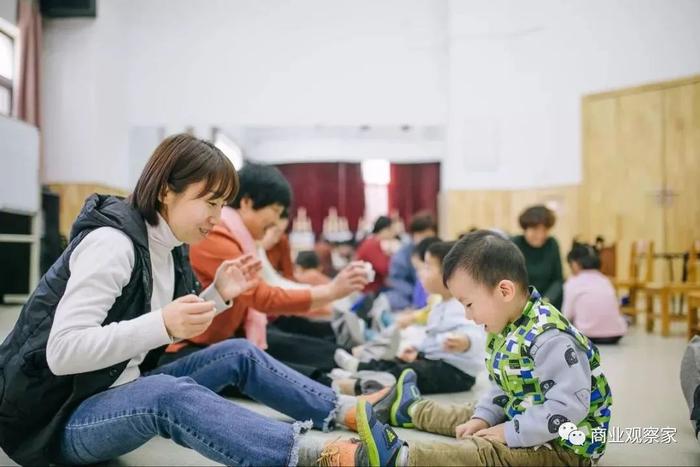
8,10
227,62
85,121
505,77
518,70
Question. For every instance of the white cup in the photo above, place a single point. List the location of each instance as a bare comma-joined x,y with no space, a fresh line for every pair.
369,271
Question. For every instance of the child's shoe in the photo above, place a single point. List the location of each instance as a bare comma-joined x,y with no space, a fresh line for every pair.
381,444
391,405
393,408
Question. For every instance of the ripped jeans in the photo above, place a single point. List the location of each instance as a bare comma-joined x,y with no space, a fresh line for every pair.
179,401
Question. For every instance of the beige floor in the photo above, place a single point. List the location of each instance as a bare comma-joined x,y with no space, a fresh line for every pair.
642,370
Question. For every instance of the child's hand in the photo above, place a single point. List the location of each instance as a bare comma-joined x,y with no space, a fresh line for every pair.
405,319
470,427
495,433
409,354
456,343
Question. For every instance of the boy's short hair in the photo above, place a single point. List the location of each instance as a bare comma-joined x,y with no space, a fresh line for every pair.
421,221
420,249
439,250
264,185
488,258
585,255
308,259
537,215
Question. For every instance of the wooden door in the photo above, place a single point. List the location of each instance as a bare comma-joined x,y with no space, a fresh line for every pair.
682,168
640,158
623,171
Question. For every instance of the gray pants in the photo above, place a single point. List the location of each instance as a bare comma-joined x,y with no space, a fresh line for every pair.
690,380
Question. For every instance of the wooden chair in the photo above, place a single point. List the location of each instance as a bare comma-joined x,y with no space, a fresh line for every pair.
665,291
640,272
608,263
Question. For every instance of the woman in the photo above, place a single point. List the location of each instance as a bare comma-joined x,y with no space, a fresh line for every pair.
541,252
78,372
377,250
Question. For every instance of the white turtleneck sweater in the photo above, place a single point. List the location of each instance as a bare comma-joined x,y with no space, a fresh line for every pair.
100,267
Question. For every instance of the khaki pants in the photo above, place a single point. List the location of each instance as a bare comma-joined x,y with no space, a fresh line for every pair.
442,419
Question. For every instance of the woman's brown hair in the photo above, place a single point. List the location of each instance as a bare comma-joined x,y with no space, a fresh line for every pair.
537,215
179,161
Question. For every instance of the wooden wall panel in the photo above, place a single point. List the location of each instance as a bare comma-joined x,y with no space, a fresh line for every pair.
601,181
461,210
72,198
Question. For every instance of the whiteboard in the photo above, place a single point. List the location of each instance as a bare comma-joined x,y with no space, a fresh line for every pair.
19,167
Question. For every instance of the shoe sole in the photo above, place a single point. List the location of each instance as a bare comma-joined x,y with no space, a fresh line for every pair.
365,432
397,403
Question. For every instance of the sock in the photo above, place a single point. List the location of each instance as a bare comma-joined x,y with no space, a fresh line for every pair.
348,386
345,404
346,361
401,458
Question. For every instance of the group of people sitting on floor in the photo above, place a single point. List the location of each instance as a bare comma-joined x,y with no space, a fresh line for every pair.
131,334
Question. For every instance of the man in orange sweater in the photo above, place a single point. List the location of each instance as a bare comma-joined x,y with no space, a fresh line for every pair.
264,193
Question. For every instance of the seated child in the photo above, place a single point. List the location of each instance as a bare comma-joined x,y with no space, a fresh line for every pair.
422,302
590,302
451,354
307,269
549,403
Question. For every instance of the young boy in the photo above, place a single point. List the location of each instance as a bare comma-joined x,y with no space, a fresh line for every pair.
549,403
451,355
422,301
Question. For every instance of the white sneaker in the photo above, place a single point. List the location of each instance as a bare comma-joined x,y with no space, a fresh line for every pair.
339,373
345,360
394,342
356,327
382,377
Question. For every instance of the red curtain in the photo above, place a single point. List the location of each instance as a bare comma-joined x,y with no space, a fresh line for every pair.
320,186
27,99
413,188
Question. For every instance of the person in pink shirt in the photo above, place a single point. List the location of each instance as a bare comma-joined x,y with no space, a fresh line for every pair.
590,302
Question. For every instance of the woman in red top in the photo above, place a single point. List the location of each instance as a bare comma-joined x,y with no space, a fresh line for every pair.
376,249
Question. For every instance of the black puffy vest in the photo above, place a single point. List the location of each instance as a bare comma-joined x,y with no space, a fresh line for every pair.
35,403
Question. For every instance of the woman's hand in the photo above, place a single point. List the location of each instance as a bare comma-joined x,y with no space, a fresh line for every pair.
188,316
235,276
352,278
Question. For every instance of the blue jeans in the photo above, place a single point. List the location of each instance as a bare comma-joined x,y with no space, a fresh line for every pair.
179,401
